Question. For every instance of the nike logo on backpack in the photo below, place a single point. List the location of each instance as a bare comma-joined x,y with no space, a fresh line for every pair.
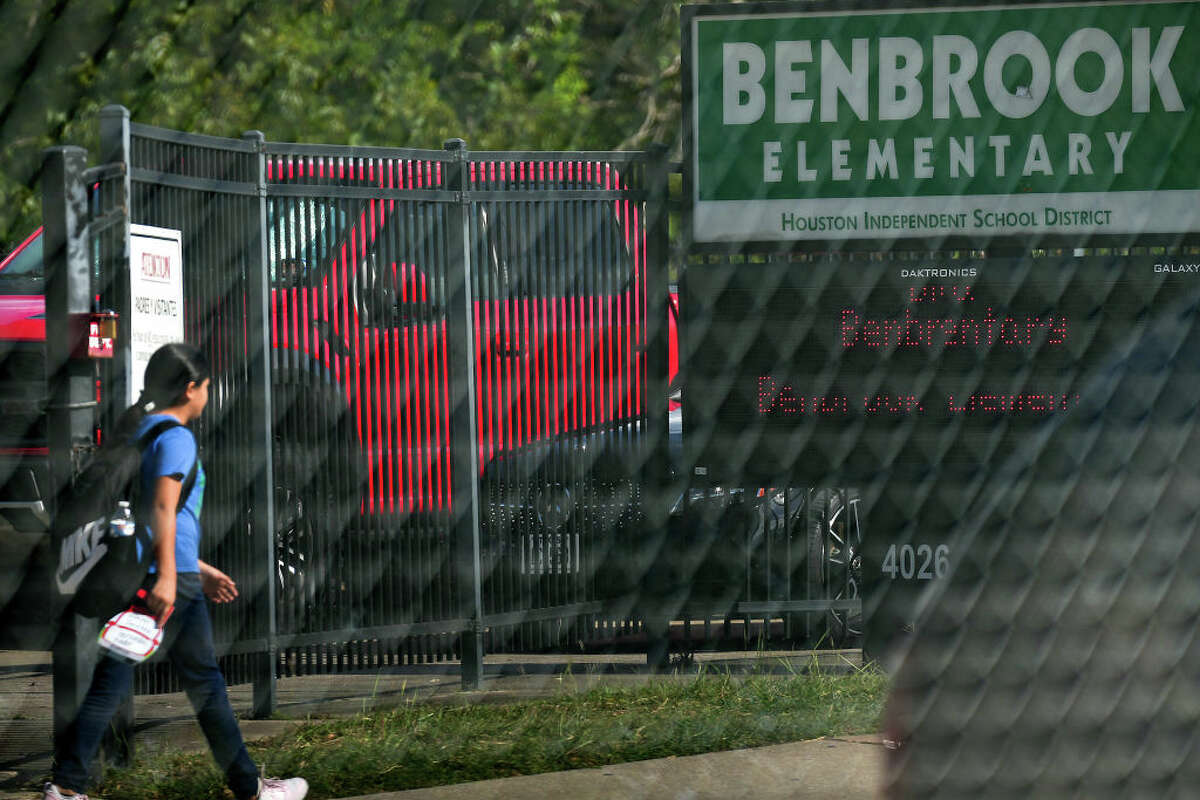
80,552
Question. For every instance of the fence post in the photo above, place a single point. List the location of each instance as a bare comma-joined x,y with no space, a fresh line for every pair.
114,288
464,453
114,272
258,330
656,468
69,386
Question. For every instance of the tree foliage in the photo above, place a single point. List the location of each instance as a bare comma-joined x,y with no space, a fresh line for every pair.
501,74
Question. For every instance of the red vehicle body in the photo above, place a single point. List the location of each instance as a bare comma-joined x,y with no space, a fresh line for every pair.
23,451
365,326
548,362
22,315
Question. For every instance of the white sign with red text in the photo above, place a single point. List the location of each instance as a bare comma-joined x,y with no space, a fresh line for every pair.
155,296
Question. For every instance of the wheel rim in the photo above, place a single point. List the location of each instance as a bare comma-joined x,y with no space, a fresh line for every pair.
291,534
843,554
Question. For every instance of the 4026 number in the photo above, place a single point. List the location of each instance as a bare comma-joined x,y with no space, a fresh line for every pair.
922,562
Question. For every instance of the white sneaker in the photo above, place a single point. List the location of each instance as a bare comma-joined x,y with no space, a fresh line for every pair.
51,792
279,789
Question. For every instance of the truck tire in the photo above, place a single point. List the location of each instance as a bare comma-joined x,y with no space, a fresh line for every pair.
318,474
316,496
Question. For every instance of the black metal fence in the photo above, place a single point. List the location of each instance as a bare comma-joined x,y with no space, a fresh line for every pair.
438,421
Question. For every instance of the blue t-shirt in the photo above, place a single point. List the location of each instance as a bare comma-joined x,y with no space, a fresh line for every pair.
172,453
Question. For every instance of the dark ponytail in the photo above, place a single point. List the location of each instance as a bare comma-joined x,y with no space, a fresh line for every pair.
168,373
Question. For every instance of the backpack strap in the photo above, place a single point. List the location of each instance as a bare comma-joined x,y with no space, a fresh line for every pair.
189,480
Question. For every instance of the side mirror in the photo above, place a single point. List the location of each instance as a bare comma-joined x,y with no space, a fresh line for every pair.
289,272
416,312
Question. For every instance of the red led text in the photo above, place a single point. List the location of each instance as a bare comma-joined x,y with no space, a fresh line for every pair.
893,404
780,400
967,331
1023,403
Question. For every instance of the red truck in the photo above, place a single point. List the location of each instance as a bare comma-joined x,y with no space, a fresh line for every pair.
549,359
359,357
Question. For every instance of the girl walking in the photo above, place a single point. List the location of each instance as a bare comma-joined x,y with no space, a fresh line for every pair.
176,381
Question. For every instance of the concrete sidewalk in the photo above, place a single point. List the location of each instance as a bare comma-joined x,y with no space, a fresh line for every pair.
837,769
842,768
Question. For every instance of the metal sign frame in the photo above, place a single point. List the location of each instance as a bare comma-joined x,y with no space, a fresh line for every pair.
155,297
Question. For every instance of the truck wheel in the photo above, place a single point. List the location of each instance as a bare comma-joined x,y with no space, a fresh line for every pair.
316,494
297,502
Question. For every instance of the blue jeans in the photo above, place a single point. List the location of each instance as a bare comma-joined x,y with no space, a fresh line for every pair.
189,644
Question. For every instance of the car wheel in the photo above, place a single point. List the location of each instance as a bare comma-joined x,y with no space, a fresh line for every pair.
835,557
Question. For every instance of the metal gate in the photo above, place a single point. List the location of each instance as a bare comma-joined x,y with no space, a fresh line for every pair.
320,281
438,422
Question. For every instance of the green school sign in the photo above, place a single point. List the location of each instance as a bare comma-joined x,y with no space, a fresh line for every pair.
1073,119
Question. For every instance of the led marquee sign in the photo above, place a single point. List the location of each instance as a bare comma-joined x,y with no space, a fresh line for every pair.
854,128
841,370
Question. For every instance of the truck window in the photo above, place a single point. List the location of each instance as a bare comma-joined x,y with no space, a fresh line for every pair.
302,233
552,248
394,284
27,263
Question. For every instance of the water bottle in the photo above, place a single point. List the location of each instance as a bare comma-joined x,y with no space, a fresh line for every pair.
121,523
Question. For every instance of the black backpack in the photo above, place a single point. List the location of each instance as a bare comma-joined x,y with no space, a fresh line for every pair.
98,571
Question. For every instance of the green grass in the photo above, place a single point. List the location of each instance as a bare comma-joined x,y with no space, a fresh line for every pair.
426,745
